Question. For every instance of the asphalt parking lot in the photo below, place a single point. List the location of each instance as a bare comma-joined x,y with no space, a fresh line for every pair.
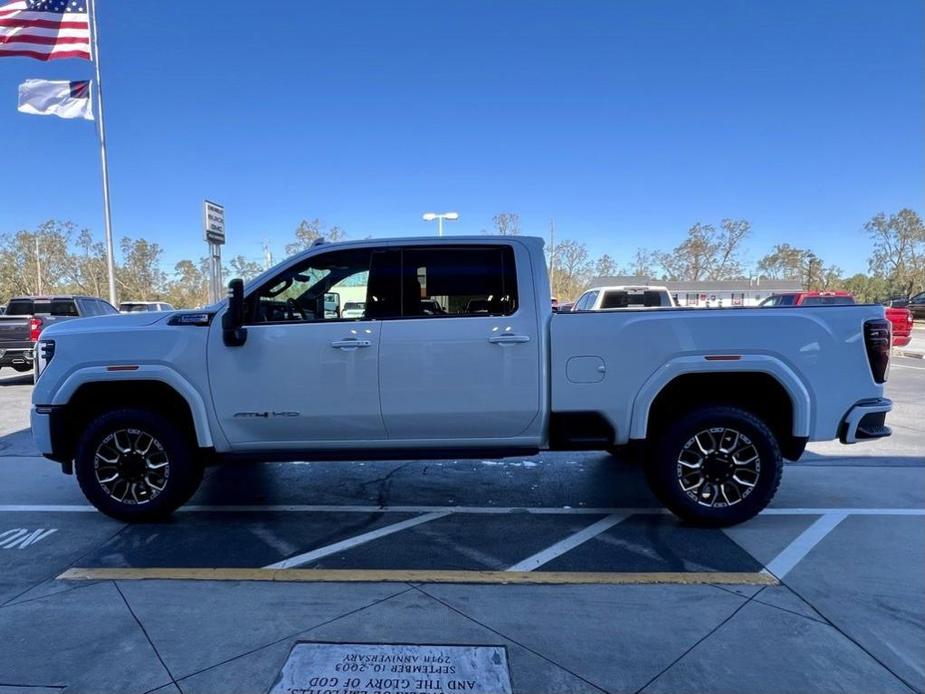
565,560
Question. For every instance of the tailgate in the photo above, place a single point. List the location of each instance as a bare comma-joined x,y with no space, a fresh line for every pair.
14,332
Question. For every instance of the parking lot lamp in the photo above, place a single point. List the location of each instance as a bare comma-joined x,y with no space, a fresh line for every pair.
431,216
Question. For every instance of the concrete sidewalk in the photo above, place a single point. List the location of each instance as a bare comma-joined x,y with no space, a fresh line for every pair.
226,638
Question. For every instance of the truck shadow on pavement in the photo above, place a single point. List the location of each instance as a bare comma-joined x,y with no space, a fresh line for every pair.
17,380
19,443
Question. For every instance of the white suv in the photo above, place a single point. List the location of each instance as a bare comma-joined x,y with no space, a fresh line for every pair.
624,296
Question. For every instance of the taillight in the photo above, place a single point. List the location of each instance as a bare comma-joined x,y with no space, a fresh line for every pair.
35,329
877,340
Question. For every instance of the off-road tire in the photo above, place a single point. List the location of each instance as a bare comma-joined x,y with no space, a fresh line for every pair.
665,468
184,472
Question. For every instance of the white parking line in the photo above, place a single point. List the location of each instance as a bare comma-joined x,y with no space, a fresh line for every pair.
569,543
906,366
538,510
302,559
793,553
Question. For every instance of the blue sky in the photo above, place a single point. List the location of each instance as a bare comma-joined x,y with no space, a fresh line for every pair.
624,121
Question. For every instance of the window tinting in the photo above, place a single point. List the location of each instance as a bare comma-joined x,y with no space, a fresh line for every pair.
828,300
626,299
466,281
314,290
87,307
20,308
63,307
104,308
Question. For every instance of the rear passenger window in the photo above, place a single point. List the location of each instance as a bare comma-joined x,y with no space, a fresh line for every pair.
462,281
65,307
86,307
104,308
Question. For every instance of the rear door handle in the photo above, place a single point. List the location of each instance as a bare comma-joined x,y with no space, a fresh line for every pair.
508,339
350,343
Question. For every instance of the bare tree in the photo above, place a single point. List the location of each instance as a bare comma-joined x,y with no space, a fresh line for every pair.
605,266
573,267
708,253
239,266
310,231
505,224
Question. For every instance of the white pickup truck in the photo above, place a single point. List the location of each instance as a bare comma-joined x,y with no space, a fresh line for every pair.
457,353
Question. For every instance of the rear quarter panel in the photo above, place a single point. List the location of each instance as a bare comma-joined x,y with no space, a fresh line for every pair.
642,350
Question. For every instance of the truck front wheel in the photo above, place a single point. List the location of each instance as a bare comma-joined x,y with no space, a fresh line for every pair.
715,466
136,465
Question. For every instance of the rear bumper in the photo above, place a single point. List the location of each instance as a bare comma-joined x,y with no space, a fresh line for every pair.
866,420
15,355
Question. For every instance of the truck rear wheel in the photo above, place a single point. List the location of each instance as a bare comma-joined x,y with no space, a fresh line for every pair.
136,465
716,466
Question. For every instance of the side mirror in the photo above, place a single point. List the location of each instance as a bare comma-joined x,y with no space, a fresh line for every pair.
233,331
332,305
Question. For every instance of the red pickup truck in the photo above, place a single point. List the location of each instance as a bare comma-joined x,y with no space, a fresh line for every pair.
901,318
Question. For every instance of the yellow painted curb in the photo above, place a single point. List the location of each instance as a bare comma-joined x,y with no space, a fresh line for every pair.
399,576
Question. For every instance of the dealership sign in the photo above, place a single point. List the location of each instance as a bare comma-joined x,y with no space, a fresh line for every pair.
213,222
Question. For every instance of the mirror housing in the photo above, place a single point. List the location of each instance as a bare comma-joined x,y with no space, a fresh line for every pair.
331,304
234,333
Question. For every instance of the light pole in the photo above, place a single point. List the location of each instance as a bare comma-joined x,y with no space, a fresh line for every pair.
431,216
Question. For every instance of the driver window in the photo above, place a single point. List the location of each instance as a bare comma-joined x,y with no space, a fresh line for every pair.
330,286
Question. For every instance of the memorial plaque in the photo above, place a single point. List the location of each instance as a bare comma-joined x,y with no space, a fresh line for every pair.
362,668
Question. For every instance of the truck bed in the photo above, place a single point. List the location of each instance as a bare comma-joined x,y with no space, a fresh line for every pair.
611,362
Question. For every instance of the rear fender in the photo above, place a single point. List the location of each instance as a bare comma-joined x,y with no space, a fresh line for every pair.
748,363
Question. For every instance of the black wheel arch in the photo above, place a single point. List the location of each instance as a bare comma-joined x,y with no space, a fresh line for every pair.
92,399
758,393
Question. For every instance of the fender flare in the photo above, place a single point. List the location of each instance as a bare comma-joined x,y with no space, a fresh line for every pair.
749,363
145,372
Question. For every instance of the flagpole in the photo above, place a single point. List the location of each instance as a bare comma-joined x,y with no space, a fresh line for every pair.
107,214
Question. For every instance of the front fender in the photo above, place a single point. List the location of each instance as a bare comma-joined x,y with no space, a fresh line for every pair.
144,372
749,363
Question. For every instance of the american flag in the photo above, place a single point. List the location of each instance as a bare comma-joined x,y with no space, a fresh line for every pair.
45,29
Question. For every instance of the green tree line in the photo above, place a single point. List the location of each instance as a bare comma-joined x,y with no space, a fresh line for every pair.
59,257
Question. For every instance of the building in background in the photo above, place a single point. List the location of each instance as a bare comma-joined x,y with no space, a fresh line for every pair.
707,293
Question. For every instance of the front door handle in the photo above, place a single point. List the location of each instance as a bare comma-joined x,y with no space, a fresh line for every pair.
508,339
350,343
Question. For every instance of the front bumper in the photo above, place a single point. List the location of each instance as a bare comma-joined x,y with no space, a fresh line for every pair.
47,422
866,420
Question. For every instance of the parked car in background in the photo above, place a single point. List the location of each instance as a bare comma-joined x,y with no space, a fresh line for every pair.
834,298
899,317
143,306
354,309
625,296
916,305
27,316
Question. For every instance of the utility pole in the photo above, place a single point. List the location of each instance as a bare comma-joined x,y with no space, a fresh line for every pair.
552,255
38,266
267,255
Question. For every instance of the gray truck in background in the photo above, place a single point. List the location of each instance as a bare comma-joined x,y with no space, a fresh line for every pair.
26,316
